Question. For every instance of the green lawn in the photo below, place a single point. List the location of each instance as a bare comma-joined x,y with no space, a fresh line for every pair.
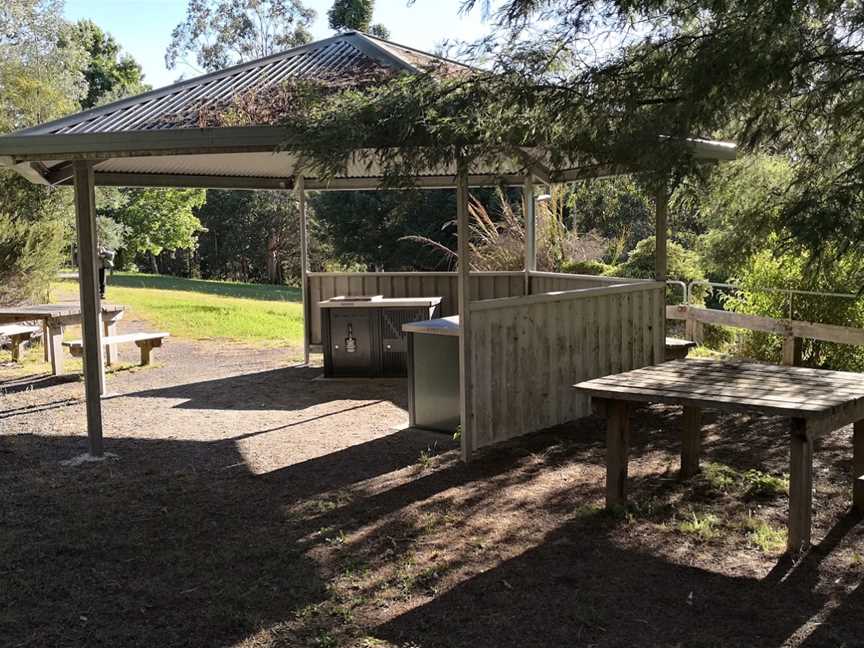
257,314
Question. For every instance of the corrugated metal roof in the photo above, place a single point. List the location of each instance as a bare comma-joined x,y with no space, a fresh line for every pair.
349,57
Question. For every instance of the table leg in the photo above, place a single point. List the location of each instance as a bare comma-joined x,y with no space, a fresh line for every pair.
46,343
858,466
691,441
617,446
110,328
55,341
800,487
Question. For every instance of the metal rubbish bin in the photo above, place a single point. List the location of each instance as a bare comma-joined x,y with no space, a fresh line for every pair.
362,336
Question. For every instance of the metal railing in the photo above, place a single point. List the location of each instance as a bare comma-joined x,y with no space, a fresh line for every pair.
687,291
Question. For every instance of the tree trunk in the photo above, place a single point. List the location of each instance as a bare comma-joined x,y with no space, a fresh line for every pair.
153,265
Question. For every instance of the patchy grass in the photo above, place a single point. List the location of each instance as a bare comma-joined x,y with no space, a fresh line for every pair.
254,314
749,484
769,539
702,525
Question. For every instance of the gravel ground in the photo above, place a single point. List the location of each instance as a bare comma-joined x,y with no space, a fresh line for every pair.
254,505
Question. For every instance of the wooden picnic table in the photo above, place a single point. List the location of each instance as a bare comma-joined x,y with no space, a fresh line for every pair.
815,400
54,318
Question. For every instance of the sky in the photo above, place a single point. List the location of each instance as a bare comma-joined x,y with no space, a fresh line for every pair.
143,27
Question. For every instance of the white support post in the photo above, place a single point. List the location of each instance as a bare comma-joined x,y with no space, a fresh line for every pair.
304,264
529,209
464,250
661,264
91,309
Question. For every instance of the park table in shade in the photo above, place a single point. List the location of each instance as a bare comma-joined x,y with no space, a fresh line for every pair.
816,402
54,318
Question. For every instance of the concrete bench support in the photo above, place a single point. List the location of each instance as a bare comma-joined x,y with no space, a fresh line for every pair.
19,335
146,342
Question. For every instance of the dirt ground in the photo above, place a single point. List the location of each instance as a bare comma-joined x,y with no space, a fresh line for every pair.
252,505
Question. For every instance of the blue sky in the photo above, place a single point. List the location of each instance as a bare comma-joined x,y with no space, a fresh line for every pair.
143,27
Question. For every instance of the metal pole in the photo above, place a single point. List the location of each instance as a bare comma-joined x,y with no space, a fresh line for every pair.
91,309
464,250
304,264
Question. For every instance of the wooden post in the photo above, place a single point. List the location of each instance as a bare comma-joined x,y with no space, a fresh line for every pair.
858,466
529,209
464,251
304,264
91,321
792,351
800,487
109,328
55,344
617,449
661,210
691,441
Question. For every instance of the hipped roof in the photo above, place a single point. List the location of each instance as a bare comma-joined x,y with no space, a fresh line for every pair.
153,140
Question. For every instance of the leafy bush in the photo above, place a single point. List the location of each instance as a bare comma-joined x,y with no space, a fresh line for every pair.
793,271
587,267
30,256
682,264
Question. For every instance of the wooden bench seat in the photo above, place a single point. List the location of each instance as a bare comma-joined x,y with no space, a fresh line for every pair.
677,349
19,334
145,341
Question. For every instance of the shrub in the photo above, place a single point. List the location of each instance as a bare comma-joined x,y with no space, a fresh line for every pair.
793,271
30,257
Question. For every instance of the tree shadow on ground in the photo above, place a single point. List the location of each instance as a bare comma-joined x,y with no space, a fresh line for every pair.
289,388
600,593
179,544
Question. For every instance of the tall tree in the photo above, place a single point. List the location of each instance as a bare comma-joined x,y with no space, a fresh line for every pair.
776,76
40,79
159,219
110,74
219,33
346,15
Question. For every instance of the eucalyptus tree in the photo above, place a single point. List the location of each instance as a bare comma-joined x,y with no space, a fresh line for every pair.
345,15
219,33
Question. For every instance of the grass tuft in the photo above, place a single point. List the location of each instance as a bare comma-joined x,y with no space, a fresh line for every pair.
769,539
704,526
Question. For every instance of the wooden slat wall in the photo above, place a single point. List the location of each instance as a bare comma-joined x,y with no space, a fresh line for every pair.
544,282
485,285
527,352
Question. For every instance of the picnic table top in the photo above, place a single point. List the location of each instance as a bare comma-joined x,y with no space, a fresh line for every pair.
785,391
42,311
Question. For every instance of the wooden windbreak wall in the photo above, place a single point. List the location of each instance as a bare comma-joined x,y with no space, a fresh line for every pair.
484,285
527,352
544,282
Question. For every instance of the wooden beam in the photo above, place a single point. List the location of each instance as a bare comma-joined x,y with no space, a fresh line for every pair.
792,351
661,207
91,325
858,466
304,264
529,207
60,174
110,179
617,450
800,487
464,251
691,441
786,328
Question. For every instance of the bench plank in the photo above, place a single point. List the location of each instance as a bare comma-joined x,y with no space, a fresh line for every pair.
144,341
